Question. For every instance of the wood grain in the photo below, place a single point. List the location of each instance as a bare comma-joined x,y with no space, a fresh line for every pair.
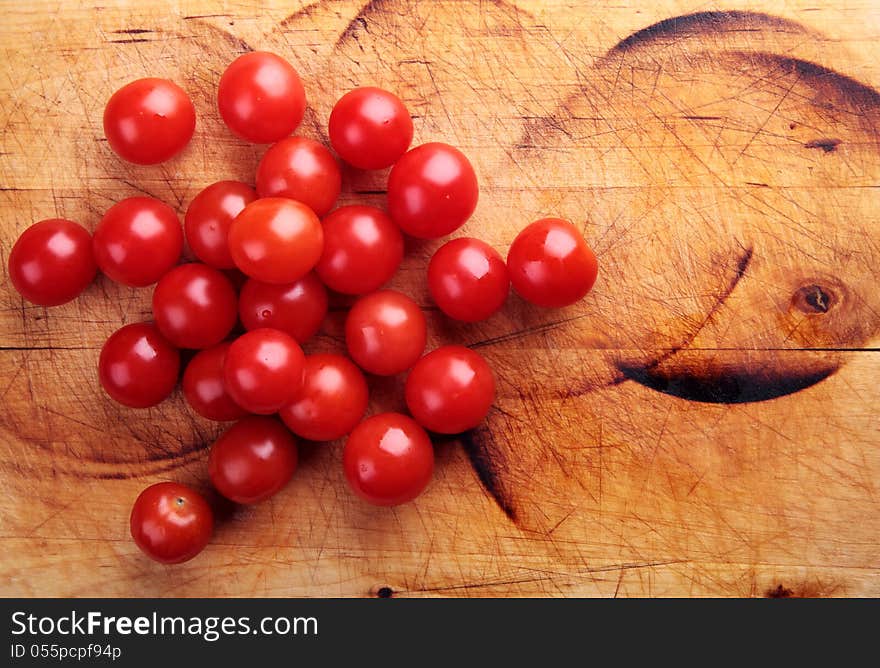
704,423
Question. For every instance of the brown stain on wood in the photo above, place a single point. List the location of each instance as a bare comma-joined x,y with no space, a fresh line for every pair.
725,181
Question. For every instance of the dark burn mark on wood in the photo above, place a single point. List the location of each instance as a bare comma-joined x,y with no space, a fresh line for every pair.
833,86
708,383
779,592
514,16
134,40
742,265
358,23
757,184
132,31
702,23
153,462
385,592
193,17
809,589
814,299
478,453
735,386
856,94
826,144
304,12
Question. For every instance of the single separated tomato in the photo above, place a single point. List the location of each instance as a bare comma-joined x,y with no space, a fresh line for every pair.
261,98
276,240
138,367
332,399
550,264
252,460
385,332
171,523
52,262
362,250
450,390
302,169
137,241
149,121
370,128
468,279
432,191
209,217
388,459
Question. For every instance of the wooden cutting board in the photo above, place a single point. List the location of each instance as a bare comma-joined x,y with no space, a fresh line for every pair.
704,423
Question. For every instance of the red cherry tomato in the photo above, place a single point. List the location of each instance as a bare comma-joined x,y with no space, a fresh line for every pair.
51,263
388,459
331,400
385,332
204,388
209,217
195,306
261,97
468,279
550,263
295,308
450,390
149,121
138,367
362,250
432,191
171,523
263,370
137,241
370,128
302,169
252,460
276,240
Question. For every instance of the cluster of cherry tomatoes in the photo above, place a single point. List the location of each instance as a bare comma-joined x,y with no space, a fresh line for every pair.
291,246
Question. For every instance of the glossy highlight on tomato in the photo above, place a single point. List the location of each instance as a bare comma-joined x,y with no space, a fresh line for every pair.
450,390
370,128
302,169
468,279
138,367
204,388
330,402
261,98
209,217
385,332
149,121
432,191
171,523
276,240
195,306
550,264
263,370
252,460
137,241
388,459
362,250
51,263
297,308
